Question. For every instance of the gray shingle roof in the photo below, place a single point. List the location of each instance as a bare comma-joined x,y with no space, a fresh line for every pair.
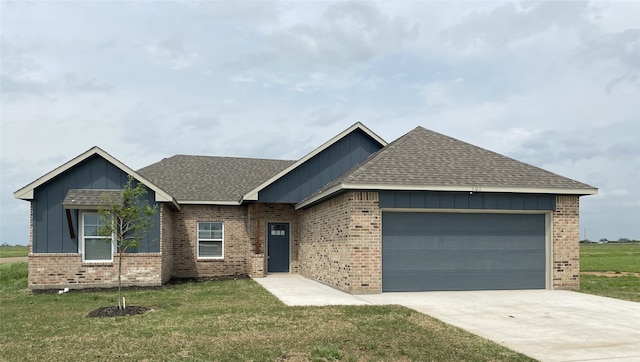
426,158
90,198
208,178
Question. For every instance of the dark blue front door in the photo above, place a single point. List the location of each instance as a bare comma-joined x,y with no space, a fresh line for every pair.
278,247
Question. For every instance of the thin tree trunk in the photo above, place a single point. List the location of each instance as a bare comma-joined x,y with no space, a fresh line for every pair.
120,281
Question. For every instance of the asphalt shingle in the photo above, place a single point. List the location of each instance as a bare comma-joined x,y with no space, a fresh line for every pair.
426,158
209,178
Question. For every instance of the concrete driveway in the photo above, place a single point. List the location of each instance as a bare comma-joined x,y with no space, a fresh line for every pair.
549,325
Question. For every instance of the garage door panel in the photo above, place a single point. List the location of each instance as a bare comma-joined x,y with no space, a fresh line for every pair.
462,280
454,260
459,242
455,251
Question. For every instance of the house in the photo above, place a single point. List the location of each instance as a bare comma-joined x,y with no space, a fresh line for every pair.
424,212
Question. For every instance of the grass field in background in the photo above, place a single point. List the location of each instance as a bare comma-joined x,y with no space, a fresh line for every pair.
227,321
611,270
13,251
615,257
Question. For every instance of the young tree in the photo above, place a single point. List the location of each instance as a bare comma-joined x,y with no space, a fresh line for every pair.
128,218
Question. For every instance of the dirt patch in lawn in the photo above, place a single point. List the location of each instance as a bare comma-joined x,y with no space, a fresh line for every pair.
17,259
117,312
170,284
612,274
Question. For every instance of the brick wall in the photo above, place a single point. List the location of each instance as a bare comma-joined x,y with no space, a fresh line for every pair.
365,243
566,243
166,242
236,242
341,242
53,271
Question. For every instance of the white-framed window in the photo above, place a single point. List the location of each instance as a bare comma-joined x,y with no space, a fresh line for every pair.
95,247
210,240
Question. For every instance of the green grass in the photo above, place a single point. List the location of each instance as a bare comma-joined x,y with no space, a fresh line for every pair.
13,251
614,262
230,321
13,276
610,257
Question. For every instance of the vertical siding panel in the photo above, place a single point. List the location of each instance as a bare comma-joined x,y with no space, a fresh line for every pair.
447,200
476,201
403,199
432,199
517,202
490,201
68,245
98,173
461,200
387,199
504,202
417,200
334,161
40,222
82,173
54,216
531,202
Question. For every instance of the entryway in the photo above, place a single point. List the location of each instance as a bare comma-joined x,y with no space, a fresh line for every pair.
278,247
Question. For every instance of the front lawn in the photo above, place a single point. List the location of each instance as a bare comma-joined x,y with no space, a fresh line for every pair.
228,321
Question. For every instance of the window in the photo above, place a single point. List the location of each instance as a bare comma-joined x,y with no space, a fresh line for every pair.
210,240
95,247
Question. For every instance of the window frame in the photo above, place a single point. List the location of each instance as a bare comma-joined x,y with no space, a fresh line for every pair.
83,239
198,240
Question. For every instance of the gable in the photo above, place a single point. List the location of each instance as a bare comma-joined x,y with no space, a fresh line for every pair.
423,160
324,167
27,192
51,232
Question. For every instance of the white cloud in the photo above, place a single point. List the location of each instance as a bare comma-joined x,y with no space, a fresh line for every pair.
172,52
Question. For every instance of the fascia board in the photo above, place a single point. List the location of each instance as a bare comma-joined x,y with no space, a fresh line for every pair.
27,192
527,190
468,188
200,202
253,194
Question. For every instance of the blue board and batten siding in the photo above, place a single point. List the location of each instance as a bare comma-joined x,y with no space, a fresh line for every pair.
321,169
466,200
50,227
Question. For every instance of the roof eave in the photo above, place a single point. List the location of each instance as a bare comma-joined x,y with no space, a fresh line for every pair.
253,194
390,187
203,202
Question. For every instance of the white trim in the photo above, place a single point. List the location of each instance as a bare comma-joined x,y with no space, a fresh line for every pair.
465,211
253,194
230,203
81,238
548,270
27,192
497,189
215,240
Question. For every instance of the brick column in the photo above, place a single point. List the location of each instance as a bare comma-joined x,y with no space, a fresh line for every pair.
566,243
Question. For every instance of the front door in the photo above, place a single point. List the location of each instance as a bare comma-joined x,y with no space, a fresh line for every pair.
278,247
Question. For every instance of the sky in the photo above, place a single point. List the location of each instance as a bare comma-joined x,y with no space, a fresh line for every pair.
553,84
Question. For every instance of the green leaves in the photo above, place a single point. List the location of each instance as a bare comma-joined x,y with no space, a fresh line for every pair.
127,216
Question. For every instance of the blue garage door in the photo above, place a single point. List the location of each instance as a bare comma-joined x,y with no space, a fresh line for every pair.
458,251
